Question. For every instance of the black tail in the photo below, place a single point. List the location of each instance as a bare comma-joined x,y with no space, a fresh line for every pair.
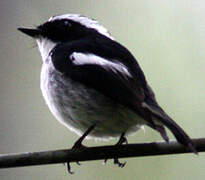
178,132
158,114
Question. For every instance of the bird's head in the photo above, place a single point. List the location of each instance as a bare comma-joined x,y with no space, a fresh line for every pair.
64,28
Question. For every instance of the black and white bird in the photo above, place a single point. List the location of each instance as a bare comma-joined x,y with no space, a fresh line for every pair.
93,85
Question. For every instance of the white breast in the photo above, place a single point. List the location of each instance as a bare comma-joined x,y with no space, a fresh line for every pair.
78,107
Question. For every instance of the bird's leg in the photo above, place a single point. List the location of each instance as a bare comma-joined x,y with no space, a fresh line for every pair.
78,144
119,143
122,140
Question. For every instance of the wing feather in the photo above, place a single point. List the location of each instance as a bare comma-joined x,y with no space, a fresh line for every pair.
108,77
111,69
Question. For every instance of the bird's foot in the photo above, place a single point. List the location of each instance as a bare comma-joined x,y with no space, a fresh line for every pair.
118,163
78,145
119,143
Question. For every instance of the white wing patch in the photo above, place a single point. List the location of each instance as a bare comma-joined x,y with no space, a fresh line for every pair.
82,59
89,23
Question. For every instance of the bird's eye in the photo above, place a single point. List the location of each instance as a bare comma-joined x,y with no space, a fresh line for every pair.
67,23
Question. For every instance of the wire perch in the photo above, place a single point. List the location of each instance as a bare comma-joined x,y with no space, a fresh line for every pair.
96,153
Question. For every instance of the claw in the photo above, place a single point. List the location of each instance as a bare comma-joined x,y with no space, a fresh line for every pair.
117,162
69,168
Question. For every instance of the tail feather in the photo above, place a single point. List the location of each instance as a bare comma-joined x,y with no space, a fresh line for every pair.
162,132
178,132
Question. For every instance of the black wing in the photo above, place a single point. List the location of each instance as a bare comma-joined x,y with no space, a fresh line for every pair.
127,88
111,79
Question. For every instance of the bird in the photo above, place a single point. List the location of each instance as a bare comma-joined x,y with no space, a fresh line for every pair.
94,86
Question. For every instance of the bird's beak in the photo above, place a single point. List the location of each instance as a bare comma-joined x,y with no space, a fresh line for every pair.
34,33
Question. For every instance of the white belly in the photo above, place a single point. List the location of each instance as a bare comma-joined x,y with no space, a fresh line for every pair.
78,107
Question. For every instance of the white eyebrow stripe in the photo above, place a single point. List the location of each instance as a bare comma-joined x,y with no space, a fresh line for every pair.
82,59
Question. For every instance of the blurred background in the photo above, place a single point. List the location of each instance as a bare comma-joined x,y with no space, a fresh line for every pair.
168,39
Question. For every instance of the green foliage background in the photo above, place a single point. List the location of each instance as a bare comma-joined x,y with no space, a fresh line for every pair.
168,39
